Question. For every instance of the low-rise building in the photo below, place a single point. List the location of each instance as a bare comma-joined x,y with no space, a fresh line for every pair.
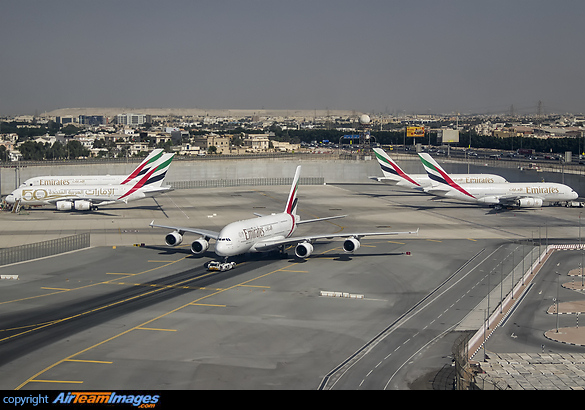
221,143
285,146
256,142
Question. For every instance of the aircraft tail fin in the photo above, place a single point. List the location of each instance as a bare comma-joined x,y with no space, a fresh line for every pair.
435,172
291,203
145,165
438,175
154,177
390,169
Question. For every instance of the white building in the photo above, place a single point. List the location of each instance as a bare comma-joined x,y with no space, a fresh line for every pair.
132,119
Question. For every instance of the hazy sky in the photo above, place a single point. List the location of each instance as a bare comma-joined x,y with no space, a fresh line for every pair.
435,56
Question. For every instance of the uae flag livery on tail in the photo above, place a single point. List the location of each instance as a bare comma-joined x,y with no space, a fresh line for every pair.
144,167
153,178
437,174
391,168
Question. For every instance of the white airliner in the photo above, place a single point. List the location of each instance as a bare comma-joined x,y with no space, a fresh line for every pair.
50,180
394,175
512,194
91,196
265,233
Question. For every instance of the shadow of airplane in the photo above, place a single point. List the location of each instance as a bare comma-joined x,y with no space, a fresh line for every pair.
272,255
343,257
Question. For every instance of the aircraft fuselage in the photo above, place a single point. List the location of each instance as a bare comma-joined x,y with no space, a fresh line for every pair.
243,236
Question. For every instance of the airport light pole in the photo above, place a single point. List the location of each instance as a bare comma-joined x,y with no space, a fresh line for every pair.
523,269
502,286
513,268
539,244
488,297
581,246
557,301
485,324
532,249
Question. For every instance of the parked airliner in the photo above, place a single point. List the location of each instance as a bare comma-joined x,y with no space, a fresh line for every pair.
265,233
50,180
394,175
91,196
512,194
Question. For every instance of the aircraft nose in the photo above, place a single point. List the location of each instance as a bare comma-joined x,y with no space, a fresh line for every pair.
219,249
224,248
10,199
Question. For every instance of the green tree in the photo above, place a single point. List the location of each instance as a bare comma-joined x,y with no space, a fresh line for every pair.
31,150
75,149
55,151
70,130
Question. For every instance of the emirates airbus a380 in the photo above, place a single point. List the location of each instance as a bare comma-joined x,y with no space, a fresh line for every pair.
87,197
512,194
265,233
65,180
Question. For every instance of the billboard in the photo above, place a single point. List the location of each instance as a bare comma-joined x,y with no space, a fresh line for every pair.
445,136
415,131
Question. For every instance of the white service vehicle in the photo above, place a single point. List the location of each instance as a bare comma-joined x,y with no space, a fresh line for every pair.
220,266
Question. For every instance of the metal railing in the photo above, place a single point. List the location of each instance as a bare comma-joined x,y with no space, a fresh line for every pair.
46,248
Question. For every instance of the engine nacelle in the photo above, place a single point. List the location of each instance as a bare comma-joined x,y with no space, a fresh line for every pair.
64,205
351,245
199,246
82,205
489,200
303,250
173,239
530,202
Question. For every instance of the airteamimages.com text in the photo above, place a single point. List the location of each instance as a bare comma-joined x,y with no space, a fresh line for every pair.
82,398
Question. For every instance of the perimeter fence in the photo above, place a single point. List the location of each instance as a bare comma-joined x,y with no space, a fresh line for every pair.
215,183
46,248
468,375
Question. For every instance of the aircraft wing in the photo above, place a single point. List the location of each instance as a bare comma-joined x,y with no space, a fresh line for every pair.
155,190
306,221
203,232
271,243
437,190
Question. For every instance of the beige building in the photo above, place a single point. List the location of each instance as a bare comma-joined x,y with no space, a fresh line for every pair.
285,146
256,142
221,143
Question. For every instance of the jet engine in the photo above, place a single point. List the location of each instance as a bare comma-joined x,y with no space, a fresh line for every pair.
64,205
530,202
490,200
351,245
199,246
303,250
173,238
82,205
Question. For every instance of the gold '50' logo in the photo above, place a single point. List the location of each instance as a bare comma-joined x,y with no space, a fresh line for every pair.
34,194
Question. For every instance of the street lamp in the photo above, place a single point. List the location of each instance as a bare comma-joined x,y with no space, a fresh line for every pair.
557,300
